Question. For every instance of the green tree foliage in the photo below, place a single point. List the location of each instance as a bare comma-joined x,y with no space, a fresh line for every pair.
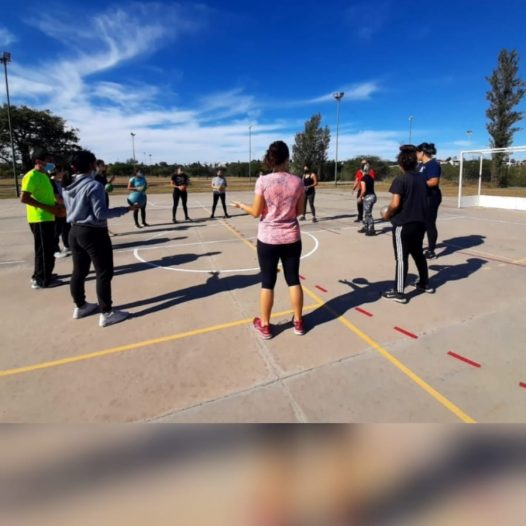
34,128
311,146
507,90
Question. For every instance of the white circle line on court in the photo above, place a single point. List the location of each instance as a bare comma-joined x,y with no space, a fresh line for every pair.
138,257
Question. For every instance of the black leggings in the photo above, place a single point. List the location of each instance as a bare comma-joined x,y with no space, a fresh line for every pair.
218,196
62,228
269,257
433,202
44,242
177,194
309,198
143,215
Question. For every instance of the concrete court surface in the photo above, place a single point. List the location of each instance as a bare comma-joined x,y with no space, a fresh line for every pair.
189,353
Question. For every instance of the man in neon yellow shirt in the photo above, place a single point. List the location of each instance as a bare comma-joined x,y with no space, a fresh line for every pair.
41,206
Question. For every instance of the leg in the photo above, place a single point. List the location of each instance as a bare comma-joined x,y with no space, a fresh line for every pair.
368,213
401,255
290,259
184,199
176,195
360,210
214,203
65,234
81,265
49,240
417,253
432,212
39,251
223,202
99,248
268,257
136,217
143,215
310,198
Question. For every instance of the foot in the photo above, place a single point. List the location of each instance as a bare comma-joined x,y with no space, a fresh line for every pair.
359,220
430,254
188,219
85,310
362,230
428,289
62,253
262,330
298,328
112,317
314,220
212,216
138,226
145,224
49,285
227,216
174,221
370,233
302,218
396,296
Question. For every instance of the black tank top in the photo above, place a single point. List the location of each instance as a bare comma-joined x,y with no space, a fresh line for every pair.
307,181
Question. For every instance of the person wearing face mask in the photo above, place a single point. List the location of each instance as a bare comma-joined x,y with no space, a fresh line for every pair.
42,208
138,183
364,169
88,214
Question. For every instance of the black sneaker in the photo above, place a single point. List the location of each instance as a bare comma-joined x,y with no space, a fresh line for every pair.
396,296
189,220
174,221
361,231
358,220
370,233
428,289
430,254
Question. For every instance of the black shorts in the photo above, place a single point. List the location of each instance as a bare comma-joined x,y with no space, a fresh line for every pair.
269,257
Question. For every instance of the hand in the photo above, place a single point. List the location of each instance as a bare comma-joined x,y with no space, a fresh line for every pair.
132,208
58,210
236,204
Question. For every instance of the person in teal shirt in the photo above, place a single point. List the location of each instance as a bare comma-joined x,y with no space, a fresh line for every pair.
138,183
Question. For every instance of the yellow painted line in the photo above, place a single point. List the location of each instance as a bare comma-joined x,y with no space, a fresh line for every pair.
397,363
523,260
137,345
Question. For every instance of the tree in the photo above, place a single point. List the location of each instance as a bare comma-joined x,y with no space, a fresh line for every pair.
34,128
311,145
507,90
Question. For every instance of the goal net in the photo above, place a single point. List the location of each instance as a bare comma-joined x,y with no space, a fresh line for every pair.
474,185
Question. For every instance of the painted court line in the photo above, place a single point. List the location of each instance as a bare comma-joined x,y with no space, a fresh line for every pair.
523,384
320,288
363,311
138,345
407,333
464,359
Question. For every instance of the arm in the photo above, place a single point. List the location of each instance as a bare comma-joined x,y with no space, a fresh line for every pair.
100,210
131,184
393,207
433,182
315,182
356,183
300,206
56,210
257,206
362,189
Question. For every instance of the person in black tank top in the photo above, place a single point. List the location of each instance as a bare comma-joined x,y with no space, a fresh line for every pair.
310,181
368,198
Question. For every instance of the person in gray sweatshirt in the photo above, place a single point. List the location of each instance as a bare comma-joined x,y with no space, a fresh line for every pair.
88,214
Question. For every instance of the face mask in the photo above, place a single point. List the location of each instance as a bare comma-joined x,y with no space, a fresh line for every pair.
49,167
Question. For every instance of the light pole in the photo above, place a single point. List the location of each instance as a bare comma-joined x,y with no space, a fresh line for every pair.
410,128
250,153
133,146
338,96
5,59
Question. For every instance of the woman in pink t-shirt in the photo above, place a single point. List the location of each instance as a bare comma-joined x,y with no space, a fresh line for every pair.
279,199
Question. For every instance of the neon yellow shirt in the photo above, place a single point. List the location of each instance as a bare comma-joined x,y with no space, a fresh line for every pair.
39,186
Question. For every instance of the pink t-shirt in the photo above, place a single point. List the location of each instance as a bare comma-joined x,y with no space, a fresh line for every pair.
278,224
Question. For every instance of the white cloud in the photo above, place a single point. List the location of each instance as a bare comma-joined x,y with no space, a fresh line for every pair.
362,91
6,37
368,18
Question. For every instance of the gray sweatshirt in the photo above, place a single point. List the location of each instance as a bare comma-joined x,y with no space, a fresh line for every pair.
85,201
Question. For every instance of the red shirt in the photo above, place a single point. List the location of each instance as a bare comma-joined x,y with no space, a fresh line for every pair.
359,174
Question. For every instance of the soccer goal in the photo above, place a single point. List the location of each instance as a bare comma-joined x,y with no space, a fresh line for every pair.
474,177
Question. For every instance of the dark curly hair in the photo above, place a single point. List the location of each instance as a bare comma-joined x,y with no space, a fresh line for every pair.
428,148
407,157
277,153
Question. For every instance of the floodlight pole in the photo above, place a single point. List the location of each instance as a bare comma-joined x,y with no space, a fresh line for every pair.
410,128
250,153
338,97
5,59
133,147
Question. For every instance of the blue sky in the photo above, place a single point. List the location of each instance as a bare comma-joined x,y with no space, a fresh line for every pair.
189,78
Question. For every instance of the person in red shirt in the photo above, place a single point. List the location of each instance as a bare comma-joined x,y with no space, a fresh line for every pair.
365,169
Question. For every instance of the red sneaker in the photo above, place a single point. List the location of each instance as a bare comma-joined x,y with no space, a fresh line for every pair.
262,330
298,327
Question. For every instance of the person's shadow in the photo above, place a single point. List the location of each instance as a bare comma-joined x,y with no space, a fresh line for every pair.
213,285
460,243
147,242
446,273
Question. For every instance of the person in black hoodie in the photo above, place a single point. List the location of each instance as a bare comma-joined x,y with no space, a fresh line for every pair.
87,211
407,212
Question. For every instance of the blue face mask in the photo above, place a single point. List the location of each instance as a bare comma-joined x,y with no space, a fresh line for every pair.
49,167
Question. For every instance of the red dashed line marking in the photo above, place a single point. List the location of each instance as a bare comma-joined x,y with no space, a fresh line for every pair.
463,359
303,277
363,311
407,333
321,288
523,384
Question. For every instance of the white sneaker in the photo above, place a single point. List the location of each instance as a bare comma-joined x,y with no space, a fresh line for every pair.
114,316
87,308
63,253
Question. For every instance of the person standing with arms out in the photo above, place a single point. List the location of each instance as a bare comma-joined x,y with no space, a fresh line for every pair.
138,183
62,227
407,212
368,198
88,214
310,181
431,171
365,168
42,207
279,199
219,185
179,184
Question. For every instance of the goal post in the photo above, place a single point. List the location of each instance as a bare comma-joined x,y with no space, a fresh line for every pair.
481,198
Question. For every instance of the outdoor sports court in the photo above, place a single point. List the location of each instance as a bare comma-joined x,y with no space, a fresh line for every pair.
190,354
